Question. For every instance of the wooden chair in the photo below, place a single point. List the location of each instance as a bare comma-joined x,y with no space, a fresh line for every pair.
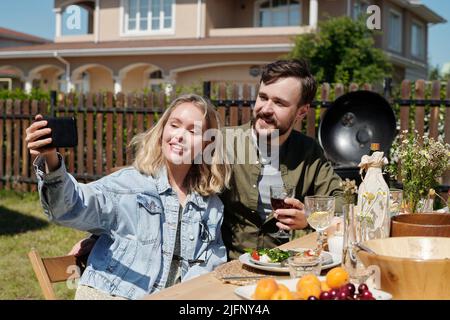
55,269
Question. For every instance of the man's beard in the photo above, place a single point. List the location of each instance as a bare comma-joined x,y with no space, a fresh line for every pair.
282,130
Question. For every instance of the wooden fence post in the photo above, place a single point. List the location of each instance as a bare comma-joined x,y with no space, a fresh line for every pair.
25,154
130,127
222,110
71,112
404,109
120,103
446,177
34,112
234,110
367,87
434,116
2,112
324,97
246,110
338,90
140,114
61,105
9,150
420,110
81,142
90,134
109,132
99,135
150,115
353,87
311,122
17,149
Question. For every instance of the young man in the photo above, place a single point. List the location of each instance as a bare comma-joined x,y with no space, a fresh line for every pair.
286,91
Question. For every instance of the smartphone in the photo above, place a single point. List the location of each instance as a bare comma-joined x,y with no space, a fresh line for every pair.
64,132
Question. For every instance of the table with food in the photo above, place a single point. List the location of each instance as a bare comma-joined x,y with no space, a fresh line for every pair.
409,267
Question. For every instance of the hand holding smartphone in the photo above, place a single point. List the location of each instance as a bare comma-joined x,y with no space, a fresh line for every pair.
63,132
46,134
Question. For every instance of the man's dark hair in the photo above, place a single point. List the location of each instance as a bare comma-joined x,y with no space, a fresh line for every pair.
292,68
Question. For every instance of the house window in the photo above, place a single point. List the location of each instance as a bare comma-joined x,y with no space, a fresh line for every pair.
277,13
417,40
83,83
156,81
147,16
359,8
62,83
395,31
5,84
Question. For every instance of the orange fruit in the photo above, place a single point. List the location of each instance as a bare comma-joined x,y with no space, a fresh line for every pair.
265,288
282,287
295,296
309,290
324,286
337,277
282,294
306,280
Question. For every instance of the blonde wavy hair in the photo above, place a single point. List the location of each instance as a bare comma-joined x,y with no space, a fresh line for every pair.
206,179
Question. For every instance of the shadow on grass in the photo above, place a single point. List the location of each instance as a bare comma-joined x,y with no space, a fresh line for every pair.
13,222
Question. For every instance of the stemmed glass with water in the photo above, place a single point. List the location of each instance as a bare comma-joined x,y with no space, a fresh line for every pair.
319,212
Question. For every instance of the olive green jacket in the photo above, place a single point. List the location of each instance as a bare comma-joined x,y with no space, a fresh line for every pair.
302,163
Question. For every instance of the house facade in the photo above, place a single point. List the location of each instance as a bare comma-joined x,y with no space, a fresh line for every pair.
12,38
130,45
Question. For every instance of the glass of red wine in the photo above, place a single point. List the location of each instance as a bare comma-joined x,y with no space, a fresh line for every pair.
277,195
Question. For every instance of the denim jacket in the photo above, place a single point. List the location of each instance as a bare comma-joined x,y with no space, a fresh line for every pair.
136,217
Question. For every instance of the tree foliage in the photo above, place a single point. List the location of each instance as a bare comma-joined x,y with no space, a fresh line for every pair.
343,50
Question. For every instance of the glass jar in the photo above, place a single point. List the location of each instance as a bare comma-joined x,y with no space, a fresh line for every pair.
301,265
355,231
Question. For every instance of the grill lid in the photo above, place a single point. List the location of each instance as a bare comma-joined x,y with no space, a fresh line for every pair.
352,123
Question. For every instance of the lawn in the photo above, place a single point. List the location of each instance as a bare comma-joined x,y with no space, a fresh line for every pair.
23,226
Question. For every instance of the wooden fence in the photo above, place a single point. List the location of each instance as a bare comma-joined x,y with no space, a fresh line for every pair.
106,124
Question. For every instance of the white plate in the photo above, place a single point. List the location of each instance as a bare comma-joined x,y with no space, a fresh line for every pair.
276,267
246,292
326,256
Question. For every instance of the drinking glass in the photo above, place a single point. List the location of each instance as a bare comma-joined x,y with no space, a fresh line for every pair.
319,211
277,195
302,265
395,201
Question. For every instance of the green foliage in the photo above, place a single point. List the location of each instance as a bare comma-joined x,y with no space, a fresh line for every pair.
196,88
434,73
36,94
342,51
423,160
445,77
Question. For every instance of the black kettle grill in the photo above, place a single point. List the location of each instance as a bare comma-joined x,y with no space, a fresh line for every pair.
350,125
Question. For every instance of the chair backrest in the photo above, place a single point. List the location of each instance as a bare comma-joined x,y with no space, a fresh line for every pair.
55,269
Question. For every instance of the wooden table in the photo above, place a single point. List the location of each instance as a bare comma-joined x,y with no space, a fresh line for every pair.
208,287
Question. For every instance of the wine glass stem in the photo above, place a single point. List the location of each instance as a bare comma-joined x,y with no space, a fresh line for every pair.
320,241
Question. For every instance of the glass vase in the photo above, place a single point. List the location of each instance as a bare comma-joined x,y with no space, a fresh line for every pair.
356,230
413,203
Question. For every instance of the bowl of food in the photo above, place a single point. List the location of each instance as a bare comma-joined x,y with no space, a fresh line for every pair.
421,224
411,267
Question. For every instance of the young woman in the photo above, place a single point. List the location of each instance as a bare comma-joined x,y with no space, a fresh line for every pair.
158,221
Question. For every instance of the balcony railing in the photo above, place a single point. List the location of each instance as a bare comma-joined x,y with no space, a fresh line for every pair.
259,31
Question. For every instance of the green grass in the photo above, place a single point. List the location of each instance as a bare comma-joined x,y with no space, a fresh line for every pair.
23,226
